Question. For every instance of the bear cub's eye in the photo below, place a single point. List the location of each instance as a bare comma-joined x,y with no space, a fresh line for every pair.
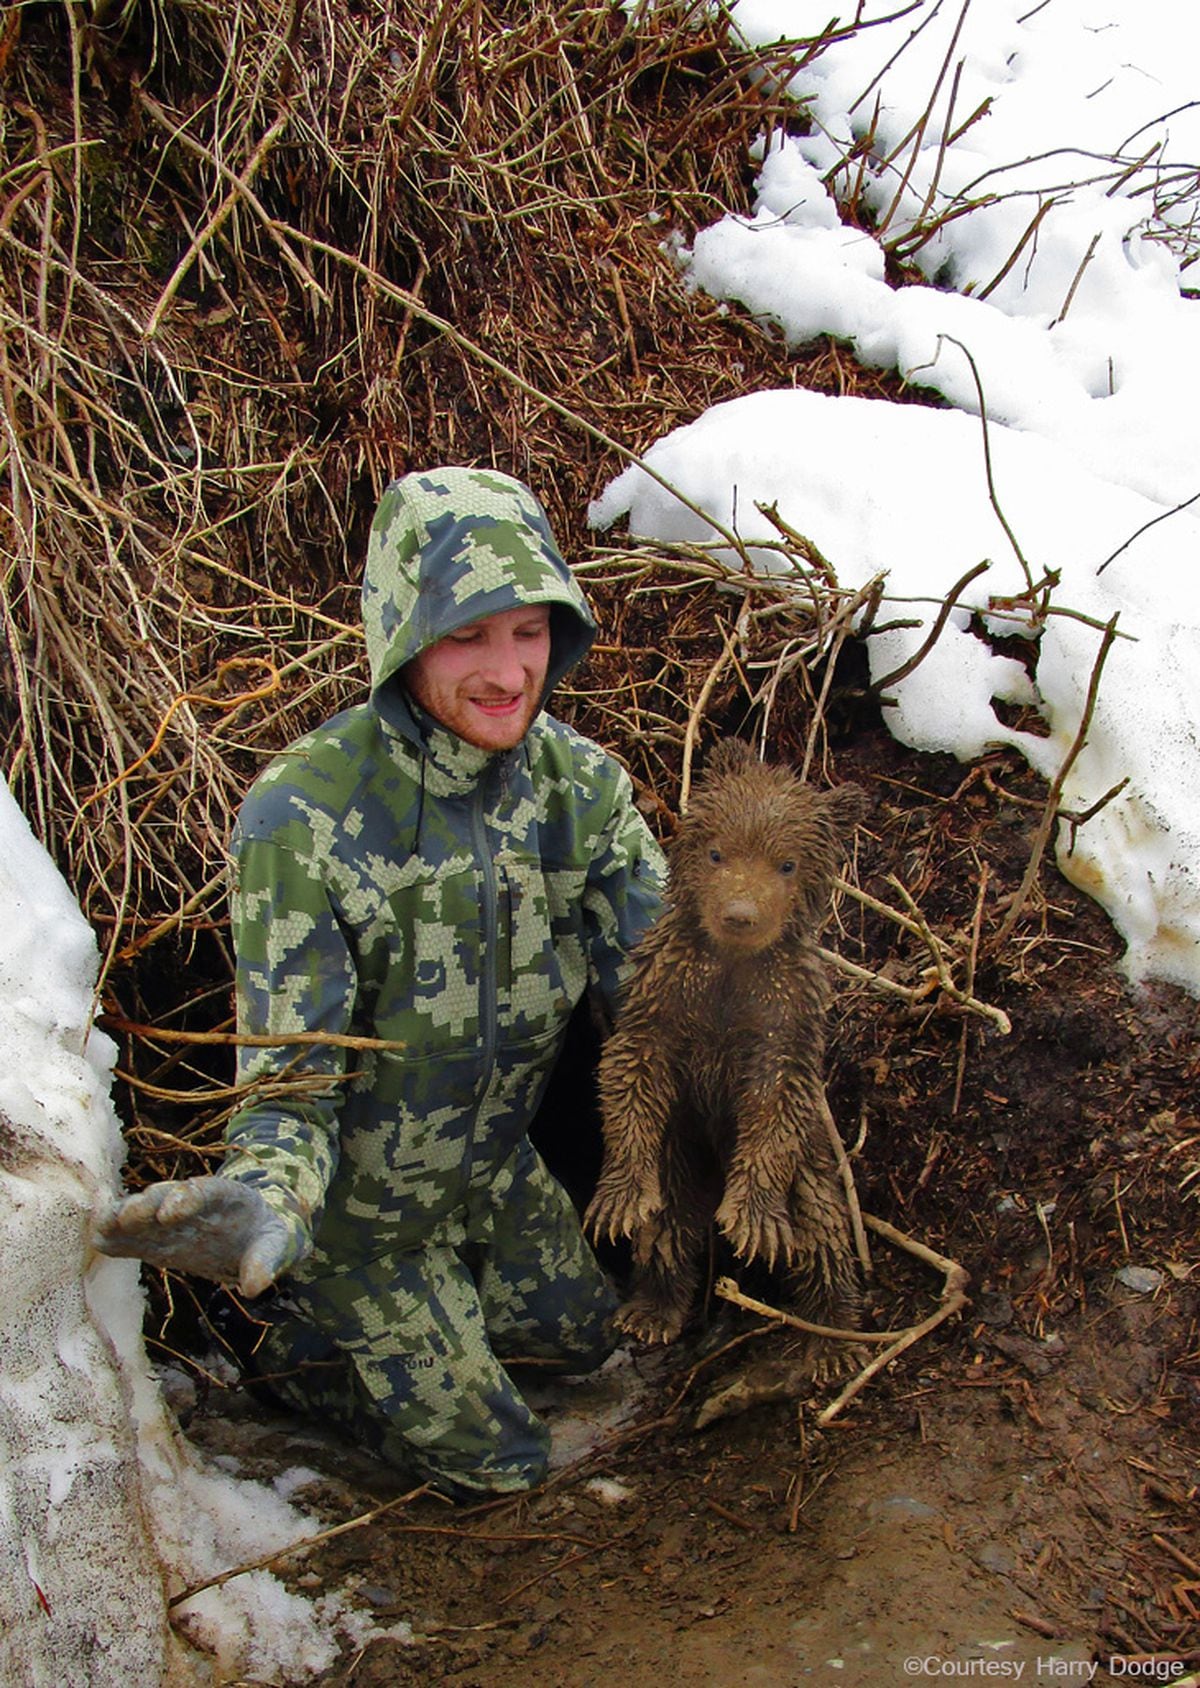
787,867
714,855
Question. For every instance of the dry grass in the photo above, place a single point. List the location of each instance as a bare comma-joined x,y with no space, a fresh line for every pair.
255,261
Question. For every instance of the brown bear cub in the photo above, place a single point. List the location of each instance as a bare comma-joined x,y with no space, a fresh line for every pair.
712,1084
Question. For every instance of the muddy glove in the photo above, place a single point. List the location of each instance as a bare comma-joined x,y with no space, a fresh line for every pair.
215,1227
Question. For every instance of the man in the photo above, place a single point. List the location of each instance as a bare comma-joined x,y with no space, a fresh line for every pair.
432,879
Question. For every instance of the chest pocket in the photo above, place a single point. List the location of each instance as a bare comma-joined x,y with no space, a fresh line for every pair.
541,956
423,955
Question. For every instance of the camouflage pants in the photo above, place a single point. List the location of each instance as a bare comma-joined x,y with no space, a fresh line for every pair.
405,1352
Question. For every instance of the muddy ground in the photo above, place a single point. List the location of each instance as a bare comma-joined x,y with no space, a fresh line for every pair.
1015,1496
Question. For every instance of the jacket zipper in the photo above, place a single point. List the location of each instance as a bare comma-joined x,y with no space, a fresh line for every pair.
488,1009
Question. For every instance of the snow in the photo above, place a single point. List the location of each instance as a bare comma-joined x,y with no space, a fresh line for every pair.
105,1511
1087,354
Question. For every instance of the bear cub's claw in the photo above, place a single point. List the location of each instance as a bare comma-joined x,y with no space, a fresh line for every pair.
758,1226
621,1207
651,1321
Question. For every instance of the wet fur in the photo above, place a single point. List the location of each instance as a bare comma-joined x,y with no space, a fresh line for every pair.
712,1084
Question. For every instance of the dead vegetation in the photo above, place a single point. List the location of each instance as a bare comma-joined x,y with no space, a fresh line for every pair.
255,261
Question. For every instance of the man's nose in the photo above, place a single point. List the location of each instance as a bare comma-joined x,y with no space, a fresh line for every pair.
505,667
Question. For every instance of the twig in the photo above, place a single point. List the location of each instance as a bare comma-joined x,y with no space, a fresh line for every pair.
696,713
1030,1620
1078,277
953,1299
987,460
249,1040
1077,818
913,993
917,133
972,957
846,1173
1055,793
239,190
588,1552
423,314
301,1546
729,1291
1035,222
268,688
1189,1564
1145,528
939,978
949,603
729,1515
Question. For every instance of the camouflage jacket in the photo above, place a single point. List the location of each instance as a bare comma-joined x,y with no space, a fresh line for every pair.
394,882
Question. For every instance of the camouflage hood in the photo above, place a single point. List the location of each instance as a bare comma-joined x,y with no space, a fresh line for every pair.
448,547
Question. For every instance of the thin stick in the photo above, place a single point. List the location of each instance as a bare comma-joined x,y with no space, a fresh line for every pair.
953,1299
728,1291
987,460
948,604
972,958
941,977
239,190
300,1546
226,705
1032,227
914,993
696,715
465,344
1145,527
1055,793
846,1173
1087,258
249,1040
917,133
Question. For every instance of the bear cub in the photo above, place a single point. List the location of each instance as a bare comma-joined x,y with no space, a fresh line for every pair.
712,1083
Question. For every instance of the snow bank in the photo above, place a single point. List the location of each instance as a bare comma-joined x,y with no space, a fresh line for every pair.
104,1509
901,491
1049,152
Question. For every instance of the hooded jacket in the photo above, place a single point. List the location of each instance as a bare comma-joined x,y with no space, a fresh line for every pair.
395,883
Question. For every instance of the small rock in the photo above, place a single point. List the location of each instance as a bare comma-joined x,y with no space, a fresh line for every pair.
995,1556
179,1391
1142,1279
994,1308
901,1506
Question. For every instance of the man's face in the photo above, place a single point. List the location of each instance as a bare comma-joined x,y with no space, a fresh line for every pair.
485,682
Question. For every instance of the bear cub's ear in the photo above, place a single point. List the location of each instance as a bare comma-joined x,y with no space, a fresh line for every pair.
842,807
730,756
845,806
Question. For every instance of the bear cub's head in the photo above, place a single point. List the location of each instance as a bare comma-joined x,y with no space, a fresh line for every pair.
755,857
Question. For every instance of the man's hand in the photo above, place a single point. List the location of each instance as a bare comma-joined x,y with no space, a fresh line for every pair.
215,1227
